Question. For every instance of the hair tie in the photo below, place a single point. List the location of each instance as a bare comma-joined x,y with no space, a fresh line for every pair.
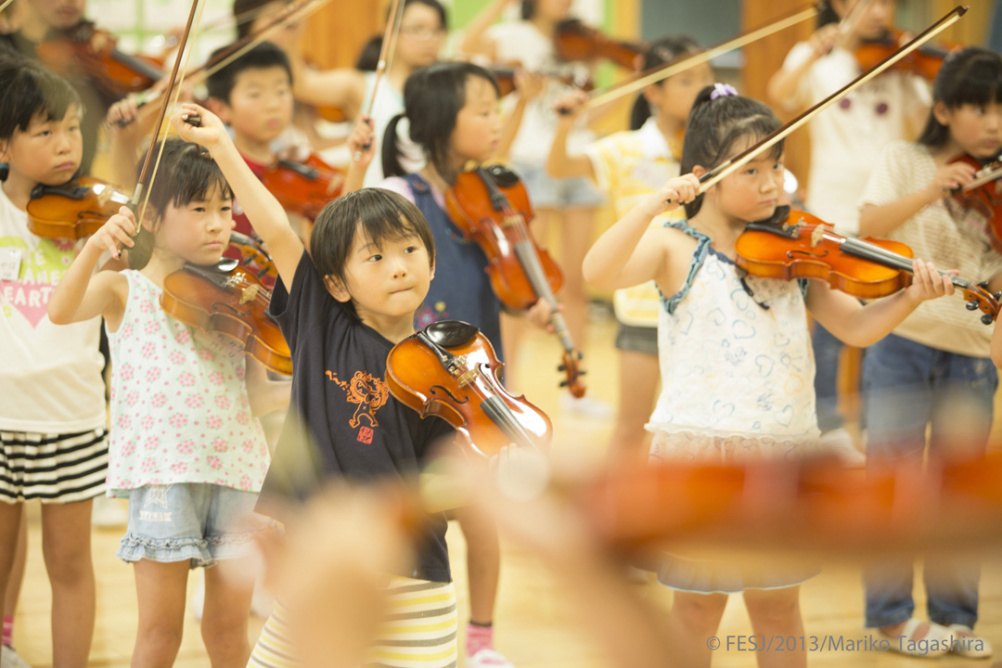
722,90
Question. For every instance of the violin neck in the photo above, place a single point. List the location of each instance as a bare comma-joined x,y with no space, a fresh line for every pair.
140,66
874,253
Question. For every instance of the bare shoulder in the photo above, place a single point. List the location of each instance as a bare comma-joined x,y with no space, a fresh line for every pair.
678,251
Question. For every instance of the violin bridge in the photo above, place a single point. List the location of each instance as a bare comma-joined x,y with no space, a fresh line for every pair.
103,195
249,293
464,376
818,235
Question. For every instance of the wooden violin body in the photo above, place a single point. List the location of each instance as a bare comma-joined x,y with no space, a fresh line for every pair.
984,195
304,187
449,369
228,300
73,210
795,244
471,206
575,41
86,50
924,61
491,207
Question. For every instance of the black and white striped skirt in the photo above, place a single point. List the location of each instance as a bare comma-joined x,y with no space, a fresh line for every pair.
55,468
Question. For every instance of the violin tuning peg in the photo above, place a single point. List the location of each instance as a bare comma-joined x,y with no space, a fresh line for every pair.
972,305
561,367
563,383
997,296
983,284
582,373
987,319
580,355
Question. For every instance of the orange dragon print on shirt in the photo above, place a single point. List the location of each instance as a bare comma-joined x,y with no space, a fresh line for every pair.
370,394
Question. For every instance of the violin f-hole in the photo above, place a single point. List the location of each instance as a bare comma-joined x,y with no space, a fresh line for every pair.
436,388
791,253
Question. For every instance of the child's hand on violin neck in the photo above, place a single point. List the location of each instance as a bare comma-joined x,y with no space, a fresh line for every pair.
949,177
928,282
199,125
115,233
823,40
675,192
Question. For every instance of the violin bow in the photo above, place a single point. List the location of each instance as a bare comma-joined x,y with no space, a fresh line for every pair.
296,11
724,170
654,75
5,4
386,52
145,175
851,18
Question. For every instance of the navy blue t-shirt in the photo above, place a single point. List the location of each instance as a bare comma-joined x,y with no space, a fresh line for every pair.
342,420
461,289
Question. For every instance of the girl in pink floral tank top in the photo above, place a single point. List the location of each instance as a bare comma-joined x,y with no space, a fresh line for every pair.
186,448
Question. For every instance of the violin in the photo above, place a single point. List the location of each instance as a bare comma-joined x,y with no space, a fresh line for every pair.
73,210
924,61
812,504
304,187
504,75
575,41
89,51
983,195
490,206
449,369
227,299
867,268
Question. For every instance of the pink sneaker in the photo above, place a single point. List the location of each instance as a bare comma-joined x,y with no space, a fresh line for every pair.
488,658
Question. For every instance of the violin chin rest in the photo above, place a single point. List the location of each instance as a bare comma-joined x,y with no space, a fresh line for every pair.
451,333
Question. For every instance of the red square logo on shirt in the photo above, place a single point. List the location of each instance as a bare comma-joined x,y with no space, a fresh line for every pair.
365,435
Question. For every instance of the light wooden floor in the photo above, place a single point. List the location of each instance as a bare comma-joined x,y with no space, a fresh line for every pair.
533,625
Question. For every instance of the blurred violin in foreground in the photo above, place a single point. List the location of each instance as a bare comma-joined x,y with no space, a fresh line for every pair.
449,369
795,244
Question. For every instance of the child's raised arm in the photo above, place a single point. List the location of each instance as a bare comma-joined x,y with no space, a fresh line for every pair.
263,211
619,259
82,295
362,147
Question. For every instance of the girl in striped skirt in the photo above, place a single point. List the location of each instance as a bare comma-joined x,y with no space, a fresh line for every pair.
53,436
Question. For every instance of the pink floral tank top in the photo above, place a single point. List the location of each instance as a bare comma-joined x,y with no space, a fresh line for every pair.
179,406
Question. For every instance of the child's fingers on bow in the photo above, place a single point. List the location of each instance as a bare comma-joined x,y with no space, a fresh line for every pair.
539,314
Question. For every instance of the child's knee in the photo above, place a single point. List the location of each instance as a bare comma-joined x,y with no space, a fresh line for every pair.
700,611
225,634
161,639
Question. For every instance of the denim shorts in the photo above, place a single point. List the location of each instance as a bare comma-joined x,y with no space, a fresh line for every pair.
199,522
546,192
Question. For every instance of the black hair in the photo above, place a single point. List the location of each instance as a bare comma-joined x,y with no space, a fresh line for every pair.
263,56
659,53
32,90
434,4
187,173
245,14
377,213
368,57
971,76
716,125
826,13
433,96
